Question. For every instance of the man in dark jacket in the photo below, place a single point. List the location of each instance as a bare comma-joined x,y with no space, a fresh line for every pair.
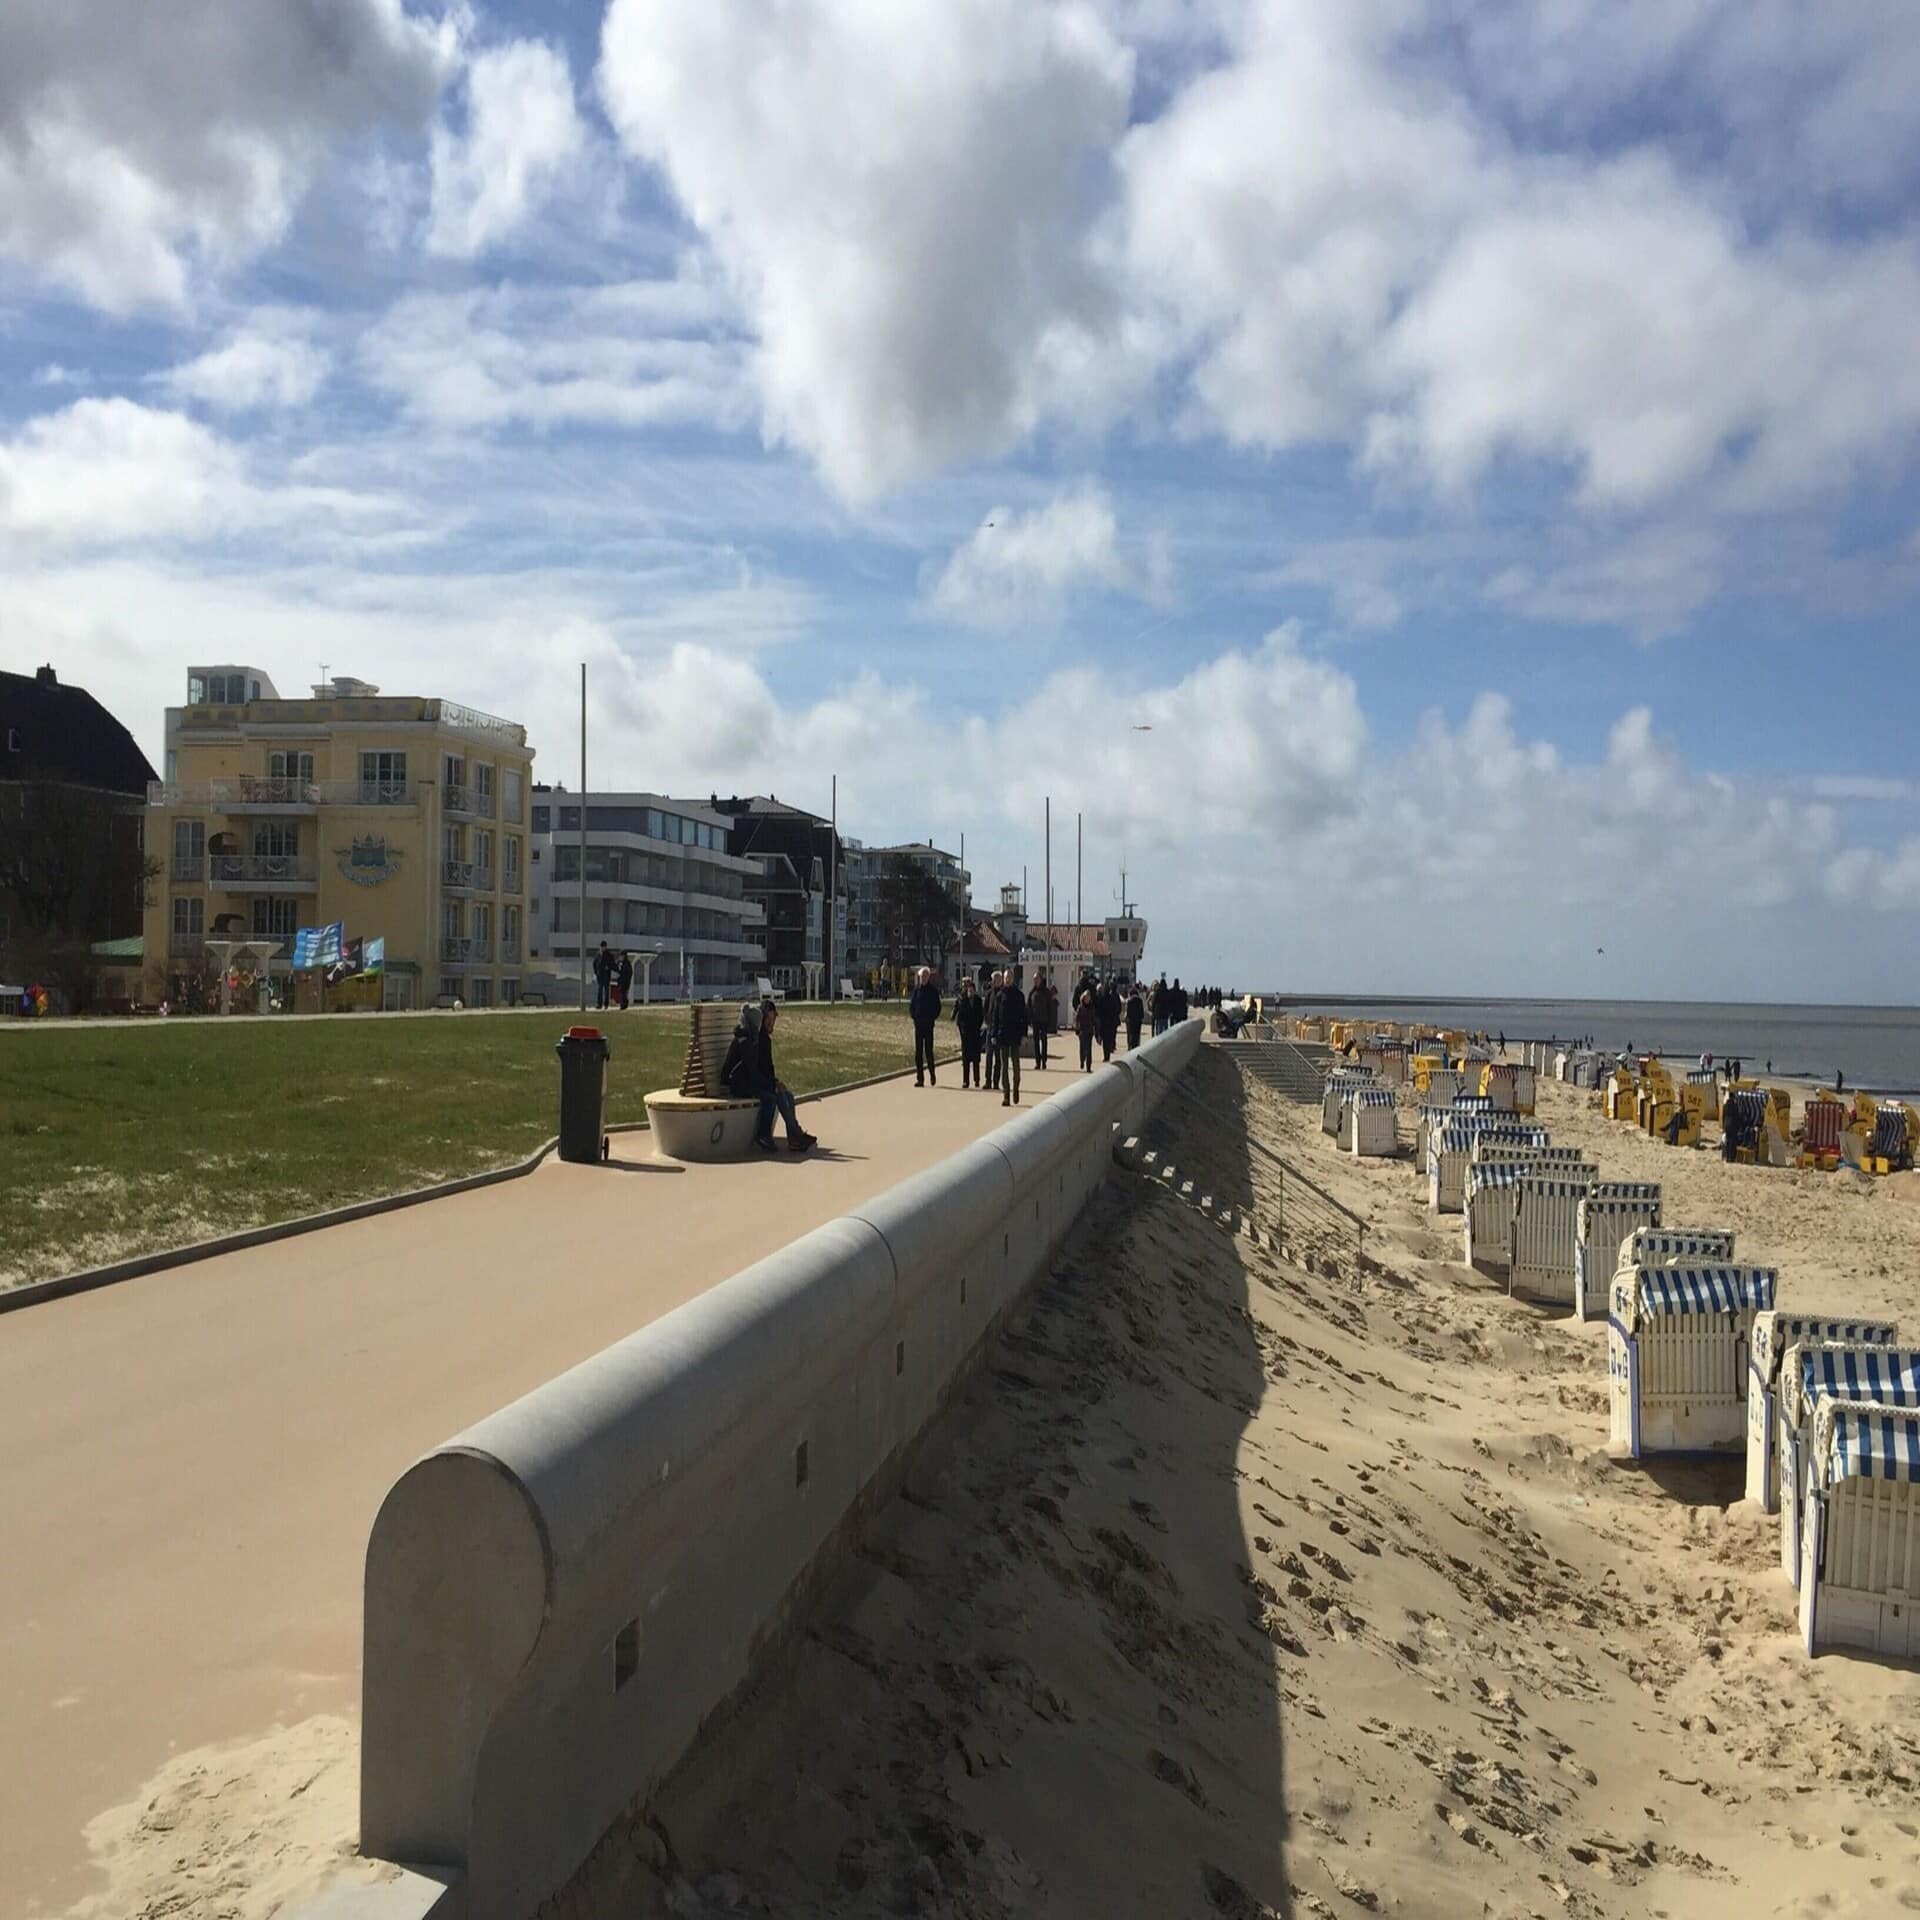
1040,1016
1010,1023
602,975
1106,1007
994,983
1136,1015
775,1095
923,1004
1158,1004
1176,1002
970,1017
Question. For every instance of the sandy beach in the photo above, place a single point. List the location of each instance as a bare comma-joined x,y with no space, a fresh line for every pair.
1237,1588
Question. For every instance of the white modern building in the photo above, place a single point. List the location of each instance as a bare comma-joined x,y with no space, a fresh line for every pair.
660,885
868,943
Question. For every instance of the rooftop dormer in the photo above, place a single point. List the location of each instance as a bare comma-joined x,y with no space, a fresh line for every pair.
227,686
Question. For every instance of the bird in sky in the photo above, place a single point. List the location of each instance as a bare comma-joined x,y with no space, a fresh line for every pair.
1143,729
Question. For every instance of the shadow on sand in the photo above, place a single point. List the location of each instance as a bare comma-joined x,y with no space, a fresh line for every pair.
1042,1686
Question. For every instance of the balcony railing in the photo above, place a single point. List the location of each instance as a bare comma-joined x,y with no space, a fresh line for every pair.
257,791
465,950
459,799
260,870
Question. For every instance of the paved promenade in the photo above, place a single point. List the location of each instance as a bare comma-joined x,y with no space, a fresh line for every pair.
192,1460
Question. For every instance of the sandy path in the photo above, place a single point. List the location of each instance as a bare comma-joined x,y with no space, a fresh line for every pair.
193,1461
1239,1589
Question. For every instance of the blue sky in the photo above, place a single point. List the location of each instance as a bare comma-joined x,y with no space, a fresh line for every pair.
1478,441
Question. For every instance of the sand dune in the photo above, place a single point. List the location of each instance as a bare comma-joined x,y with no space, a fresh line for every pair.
1238,1588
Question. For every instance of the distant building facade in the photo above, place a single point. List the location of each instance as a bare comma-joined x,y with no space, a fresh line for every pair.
799,860
871,942
661,880
73,789
404,818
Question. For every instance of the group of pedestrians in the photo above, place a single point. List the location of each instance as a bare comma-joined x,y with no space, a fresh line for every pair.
612,978
748,1074
991,1025
992,1020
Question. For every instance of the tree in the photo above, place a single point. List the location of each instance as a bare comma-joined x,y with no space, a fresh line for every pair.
918,917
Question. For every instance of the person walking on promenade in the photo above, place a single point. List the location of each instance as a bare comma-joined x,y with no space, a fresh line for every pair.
775,1095
923,1006
623,981
602,976
1136,1015
1176,1002
994,982
970,1017
1106,1007
1010,1013
1083,1019
1158,1005
1041,1013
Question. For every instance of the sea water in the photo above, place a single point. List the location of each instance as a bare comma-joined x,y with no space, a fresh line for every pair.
1874,1047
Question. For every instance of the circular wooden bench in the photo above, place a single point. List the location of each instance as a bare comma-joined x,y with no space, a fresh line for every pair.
699,1120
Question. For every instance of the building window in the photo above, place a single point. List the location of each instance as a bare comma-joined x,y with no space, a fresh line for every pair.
277,838
219,689
189,919
452,987
479,993
509,936
450,920
453,772
273,918
509,992
510,785
542,819
383,779
453,851
510,855
189,849
482,929
483,855
296,768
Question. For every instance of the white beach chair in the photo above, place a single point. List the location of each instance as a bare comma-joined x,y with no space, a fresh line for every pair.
848,991
1775,1337
1677,1341
1813,1370
1333,1096
1373,1123
1611,1211
1486,1208
1451,1149
1544,1229
1860,1546
767,990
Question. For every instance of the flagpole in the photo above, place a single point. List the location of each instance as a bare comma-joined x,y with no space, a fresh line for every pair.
583,836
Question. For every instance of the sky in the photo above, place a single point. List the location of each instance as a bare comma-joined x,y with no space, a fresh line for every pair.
1434,484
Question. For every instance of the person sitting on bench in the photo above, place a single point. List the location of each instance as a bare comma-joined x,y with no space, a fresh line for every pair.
766,1086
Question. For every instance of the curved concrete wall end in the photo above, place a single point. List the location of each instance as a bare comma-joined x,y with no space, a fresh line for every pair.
561,1598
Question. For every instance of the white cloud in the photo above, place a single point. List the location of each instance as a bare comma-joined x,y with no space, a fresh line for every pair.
264,364
900,192
103,471
133,148
522,137
642,353
1018,567
1649,581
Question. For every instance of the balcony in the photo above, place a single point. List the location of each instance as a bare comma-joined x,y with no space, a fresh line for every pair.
252,793
466,876
261,870
468,800
456,950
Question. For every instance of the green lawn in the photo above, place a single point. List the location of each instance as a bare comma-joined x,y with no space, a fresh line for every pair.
116,1140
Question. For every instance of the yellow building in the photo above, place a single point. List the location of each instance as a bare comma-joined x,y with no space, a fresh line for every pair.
403,818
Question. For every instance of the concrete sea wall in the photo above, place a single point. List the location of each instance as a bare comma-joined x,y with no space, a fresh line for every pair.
559,1599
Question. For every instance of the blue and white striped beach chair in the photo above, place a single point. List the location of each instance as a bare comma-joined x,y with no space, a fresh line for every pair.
1677,1340
1774,1335
1860,1545
1611,1211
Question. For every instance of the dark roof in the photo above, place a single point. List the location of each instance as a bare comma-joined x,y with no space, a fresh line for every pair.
51,732
1089,937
